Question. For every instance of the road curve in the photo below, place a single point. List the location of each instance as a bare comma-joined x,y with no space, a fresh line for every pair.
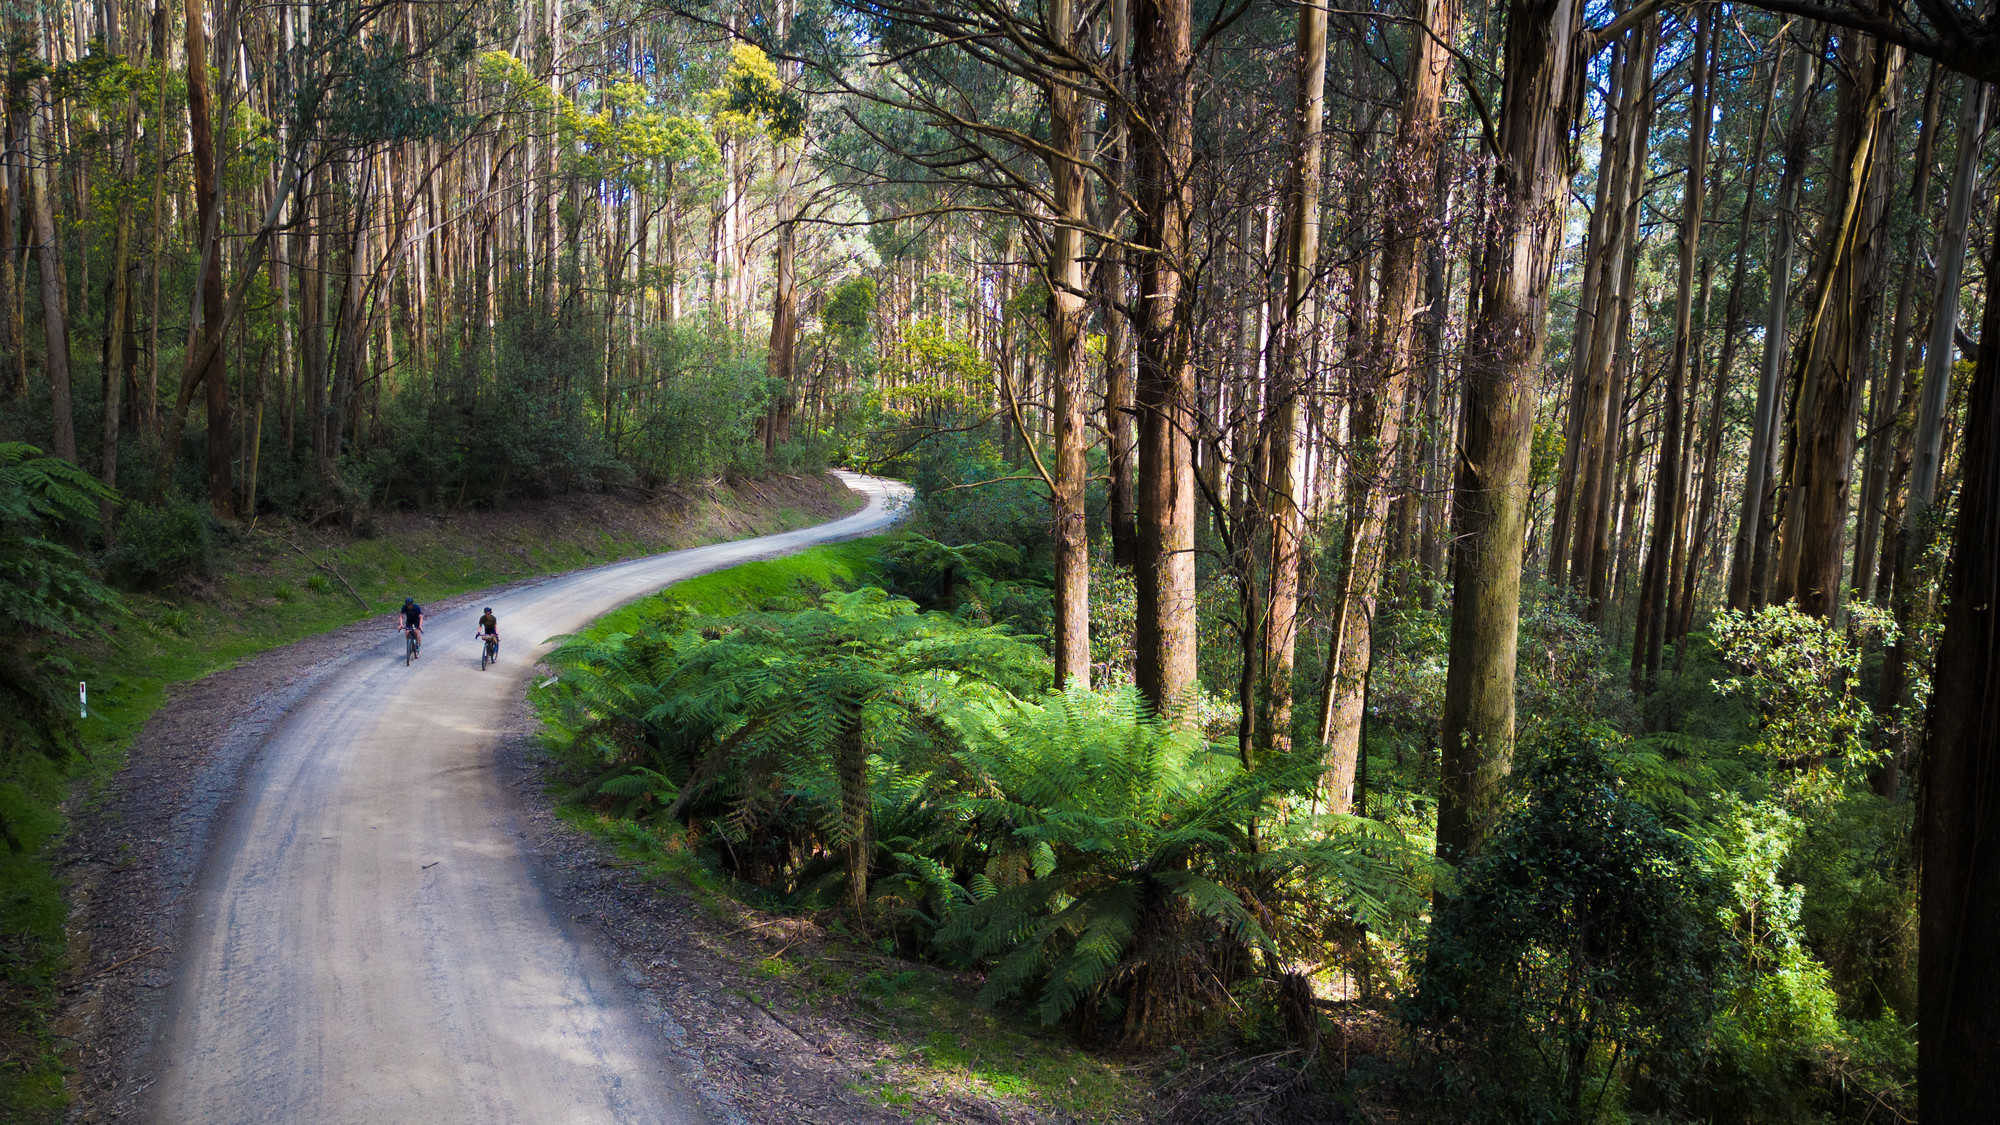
368,944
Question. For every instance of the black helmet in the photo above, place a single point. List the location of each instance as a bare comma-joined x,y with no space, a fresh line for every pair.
409,601
489,609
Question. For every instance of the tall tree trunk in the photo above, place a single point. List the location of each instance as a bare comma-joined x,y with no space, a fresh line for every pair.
208,189
1958,978
11,304
1698,538
118,316
48,255
1110,278
1595,534
1745,579
1927,453
782,356
1893,391
1581,446
1656,586
1917,524
1276,495
1834,349
1732,334
1543,60
1163,134
1068,305
1376,434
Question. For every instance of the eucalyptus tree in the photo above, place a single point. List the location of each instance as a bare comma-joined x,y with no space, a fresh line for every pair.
1034,162
1410,221
1547,42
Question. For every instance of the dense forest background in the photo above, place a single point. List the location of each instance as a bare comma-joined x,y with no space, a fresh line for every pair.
1551,440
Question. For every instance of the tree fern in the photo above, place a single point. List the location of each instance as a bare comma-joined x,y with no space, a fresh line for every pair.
1092,857
1139,829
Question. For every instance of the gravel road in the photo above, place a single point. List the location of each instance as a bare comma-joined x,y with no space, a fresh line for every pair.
367,940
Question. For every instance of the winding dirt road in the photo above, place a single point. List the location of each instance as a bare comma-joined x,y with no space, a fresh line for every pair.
368,944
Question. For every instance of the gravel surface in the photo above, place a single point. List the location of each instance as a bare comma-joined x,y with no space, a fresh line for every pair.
186,831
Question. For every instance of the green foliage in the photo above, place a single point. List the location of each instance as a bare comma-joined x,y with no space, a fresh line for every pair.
753,96
850,309
46,590
1560,676
767,730
1097,859
1804,675
46,593
985,583
44,586
360,89
1120,881
1114,615
159,544
964,495
1577,944
518,420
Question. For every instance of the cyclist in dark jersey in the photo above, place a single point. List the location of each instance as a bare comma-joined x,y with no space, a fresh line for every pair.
489,626
413,618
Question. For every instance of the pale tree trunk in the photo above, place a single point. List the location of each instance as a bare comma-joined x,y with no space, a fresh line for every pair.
1746,580
1109,275
1595,535
203,365
1732,333
1656,586
1277,488
1164,639
1245,532
118,321
781,358
1068,305
48,253
16,372
1489,520
1376,423
1918,524
1571,480
208,187
1892,391
1835,344
1927,453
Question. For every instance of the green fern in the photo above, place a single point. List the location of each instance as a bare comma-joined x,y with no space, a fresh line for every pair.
914,768
786,712
1130,847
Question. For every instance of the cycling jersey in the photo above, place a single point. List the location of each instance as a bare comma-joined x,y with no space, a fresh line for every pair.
488,623
413,615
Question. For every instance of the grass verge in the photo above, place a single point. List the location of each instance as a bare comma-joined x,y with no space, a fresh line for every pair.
267,587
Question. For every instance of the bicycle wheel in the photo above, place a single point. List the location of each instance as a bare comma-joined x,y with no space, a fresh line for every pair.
485,656
409,648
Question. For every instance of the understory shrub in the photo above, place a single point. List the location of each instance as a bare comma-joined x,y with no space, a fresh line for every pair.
159,544
1576,956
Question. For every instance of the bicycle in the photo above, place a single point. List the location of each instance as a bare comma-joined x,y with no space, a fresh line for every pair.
410,645
491,655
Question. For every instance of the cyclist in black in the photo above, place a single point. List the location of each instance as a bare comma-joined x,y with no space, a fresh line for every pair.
413,618
489,630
